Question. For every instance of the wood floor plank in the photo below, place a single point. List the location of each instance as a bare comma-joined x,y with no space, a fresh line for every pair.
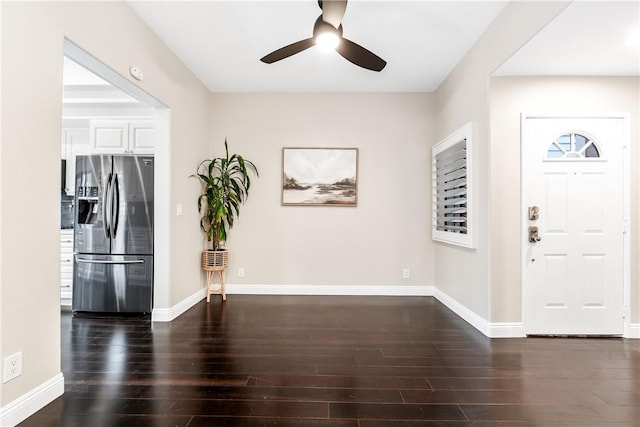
422,423
341,381
514,397
110,420
252,408
543,414
395,411
274,393
203,421
334,362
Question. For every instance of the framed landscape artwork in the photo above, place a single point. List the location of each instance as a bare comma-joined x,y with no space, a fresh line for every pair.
319,176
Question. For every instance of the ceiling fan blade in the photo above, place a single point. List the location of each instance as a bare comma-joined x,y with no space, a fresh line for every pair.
333,11
360,56
287,51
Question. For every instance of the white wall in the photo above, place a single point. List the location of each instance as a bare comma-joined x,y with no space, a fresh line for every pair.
464,97
509,98
367,245
32,52
1,204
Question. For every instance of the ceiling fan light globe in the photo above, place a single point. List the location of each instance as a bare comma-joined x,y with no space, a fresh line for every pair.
327,41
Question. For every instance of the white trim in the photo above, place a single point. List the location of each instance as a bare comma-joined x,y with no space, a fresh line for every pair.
91,63
626,202
634,331
524,169
466,134
467,315
626,236
168,314
383,290
491,330
28,404
506,330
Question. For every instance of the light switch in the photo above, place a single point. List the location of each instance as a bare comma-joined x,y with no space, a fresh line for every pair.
179,209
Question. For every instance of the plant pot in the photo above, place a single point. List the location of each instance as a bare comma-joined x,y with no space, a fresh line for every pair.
215,260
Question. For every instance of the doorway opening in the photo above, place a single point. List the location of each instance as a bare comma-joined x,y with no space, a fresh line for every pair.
104,113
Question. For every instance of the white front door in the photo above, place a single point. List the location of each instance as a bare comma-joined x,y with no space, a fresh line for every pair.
574,274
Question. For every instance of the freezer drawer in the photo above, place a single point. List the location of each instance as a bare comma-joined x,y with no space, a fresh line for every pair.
112,283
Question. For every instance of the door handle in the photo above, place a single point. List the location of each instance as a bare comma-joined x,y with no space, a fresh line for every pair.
115,199
104,261
533,234
106,208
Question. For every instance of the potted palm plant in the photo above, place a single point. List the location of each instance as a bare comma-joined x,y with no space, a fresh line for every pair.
225,186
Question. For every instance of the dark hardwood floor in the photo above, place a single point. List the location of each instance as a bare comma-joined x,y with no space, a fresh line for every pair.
334,361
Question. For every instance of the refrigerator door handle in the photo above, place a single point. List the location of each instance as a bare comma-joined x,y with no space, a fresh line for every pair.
104,261
115,197
106,208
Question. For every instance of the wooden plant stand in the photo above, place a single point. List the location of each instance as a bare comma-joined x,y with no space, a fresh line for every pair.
212,262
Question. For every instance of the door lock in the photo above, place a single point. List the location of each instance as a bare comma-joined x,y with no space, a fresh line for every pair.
533,234
534,213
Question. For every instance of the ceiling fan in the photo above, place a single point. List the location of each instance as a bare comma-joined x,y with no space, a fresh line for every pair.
328,29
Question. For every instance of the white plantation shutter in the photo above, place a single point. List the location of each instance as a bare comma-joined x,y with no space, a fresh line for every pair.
451,176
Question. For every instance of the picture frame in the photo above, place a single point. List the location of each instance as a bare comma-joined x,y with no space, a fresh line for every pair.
315,176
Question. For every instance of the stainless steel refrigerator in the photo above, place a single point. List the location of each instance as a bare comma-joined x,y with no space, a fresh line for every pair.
113,245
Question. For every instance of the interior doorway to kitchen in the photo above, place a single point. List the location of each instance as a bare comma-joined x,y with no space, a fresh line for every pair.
104,112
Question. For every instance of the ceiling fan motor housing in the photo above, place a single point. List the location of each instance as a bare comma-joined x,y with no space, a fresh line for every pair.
321,27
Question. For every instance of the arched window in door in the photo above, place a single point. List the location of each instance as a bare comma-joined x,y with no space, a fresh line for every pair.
573,145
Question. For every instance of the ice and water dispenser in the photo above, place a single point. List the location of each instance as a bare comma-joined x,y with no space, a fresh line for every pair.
87,199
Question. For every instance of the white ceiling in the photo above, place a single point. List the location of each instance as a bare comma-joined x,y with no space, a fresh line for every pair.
76,75
589,38
421,40
87,96
222,42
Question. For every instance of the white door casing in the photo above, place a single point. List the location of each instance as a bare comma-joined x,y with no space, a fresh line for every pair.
574,277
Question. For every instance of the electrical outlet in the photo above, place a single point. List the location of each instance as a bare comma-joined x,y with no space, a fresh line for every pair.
406,273
12,367
240,271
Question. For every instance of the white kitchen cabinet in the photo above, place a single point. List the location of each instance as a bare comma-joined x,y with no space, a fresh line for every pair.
122,136
109,136
66,266
142,136
75,142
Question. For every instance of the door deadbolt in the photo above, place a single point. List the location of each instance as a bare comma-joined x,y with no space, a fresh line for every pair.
533,234
534,213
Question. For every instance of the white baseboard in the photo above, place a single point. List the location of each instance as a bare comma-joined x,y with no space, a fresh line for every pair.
30,403
467,315
500,329
168,314
491,330
385,290
506,330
